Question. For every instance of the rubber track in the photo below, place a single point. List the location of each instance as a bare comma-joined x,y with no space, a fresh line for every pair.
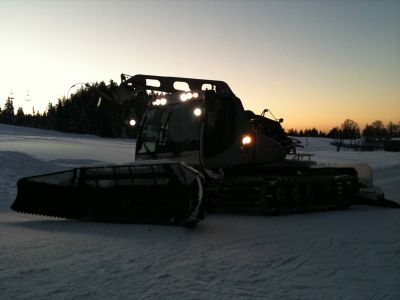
274,195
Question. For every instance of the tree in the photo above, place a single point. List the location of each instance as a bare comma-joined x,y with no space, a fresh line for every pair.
334,133
8,111
349,129
20,119
379,128
376,129
393,129
51,116
293,132
314,132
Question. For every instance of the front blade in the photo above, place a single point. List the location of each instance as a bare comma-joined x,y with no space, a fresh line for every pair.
167,193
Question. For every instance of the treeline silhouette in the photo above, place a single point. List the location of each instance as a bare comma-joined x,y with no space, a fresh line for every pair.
83,112
350,129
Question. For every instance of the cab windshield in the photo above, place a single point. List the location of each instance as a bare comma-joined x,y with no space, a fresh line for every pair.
170,128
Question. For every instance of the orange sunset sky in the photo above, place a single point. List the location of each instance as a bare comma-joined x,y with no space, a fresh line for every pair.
313,63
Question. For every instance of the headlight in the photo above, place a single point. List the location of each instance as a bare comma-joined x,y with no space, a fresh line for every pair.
197,112
246,140
184,97
188,96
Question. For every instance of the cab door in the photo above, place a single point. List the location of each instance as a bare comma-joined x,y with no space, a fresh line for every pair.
224,124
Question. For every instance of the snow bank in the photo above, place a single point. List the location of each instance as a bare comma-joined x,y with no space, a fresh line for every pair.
351,254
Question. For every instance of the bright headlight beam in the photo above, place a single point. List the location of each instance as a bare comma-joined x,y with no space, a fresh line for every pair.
184,97
246,140
197,112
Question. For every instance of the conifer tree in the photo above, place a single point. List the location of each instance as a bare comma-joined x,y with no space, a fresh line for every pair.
8,111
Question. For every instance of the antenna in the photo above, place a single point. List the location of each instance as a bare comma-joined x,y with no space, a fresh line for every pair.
280,120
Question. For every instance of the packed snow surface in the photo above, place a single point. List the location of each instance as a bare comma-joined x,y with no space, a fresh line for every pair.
350,254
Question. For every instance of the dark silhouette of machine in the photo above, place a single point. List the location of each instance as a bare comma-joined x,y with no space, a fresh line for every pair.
197,150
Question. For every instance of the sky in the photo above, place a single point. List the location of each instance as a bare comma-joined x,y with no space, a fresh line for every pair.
313,63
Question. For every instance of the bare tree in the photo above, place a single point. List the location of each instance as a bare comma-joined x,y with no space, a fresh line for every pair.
350,129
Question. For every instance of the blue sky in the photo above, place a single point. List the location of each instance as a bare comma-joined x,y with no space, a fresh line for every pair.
314,63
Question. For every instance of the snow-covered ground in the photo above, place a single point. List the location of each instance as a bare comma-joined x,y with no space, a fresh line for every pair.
350,254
